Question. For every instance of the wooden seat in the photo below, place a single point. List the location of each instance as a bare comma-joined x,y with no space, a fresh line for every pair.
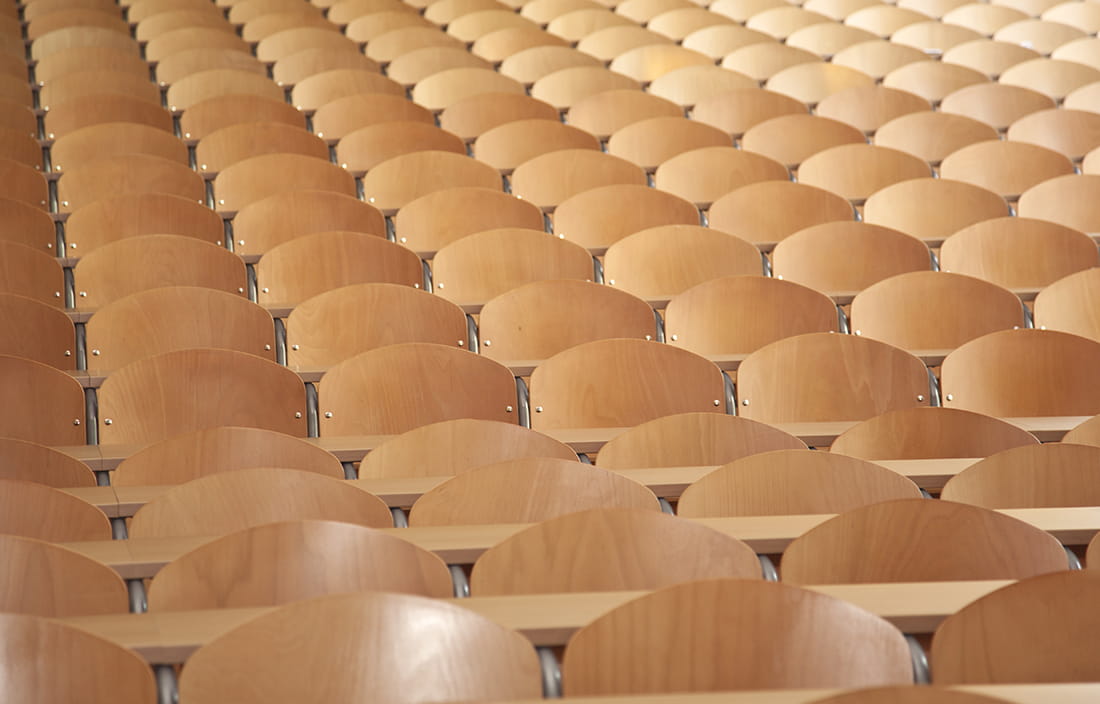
481,266
473,658
24,183
410,68
828,38
109,220
792,138
28,272
41,403
508,145
398,181
229,145
441,90
918,540
18,117
22,223
574,26
442,13
1039,34
1065,305
904,207
782,22
186,38
607,43
1016,373
208,116
877,57
396,388
828,377
529,65
823,256
1052,77
884,21
219,504
1082,51
1067,14
365,28
345,115
37,511
988,56
474,25
811,83
729,634
767,212
433,221
89,110
933,80
1037,630
762,60
1073,133
77,37
540,319
320,88
529,490
175,67
38,331
284,216
501,43
867,108
345,11
204,85
737,111
31,462
1033,476
926,310
1092,559
792,482
55,582
1018,252
670,259
930,433
740,314
89,58
290,41
932,135
934,36
81,666
300,65
110,139
544,11
255,178
982,18
678,23
315,558
366,147
21,147
339,324
856,171
568,86
268,24
166,22
392,44
626,382
649,143
609,549
648,63
549,179
598,217
247,10
996,104
125,175
472,116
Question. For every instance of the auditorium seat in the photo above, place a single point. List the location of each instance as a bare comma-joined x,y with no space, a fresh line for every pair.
646,64
933,80
812,82
472,657
1067,305
867,108
828,38
1033,476
234,143
186,38
433,221
90,58
75,18
649,143
204,85
365,27
762,60
878,57
89,110
410,68
18,116
444,12
1073,133
300,65
32,273
677,23
21,147
37,511
501,43
366,147
984,18
335,119
932,135
1039,34
162,23
109,220
508,145
767,212
262,26
574,26
607,43
909,695
473,25
320,88
996,104
792,138
598,217
568,86
294,561
529,65
441,90
32,462
930,433
22,223
139,10
1082,51
527,490
543,11
782,22
1052,77
856,171
344,11
290,41
1004,167
882,19
549,179
47,580
111,139
77,37
988,56
284,216
126,175
38,331
737,111
258,177
213,114
905,207
934,36
24,183
396,182
1071,14
388,46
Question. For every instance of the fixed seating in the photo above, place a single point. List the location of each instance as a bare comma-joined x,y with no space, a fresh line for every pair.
235,143
792,138
258,177
549,179
1064,200
71,86
212,83
856,171
88,588
410,68
529,65
111,138
77,37
335,119
284,216
501,43
109,220
38,331
1040,34
604,113
704,175
568,86
392,44
1033,476
31,273
933,80
868,108
366,147
37,511
1066,305
212,114
691,84
124,175
1053,77
177,66
527,490
398,181
769,211
934,36
25,224
1073,133
930,433
507,146
996,104
21,147
602,215
472,116
433,221
737,111
300,65
904,207
988,56
812,82
32,462
932,135
441,90
90,58
985,19
24,183
877,57
42,404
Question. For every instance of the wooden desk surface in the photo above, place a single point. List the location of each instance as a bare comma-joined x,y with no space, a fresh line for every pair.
143,557
546,619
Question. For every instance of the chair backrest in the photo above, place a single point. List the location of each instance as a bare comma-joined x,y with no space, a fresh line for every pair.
869,108
227,502
920,540
540,319
792,482
25,224
769,211
335,119
603,113
704,175
181,458
284,216
32,462
609,549
397,388
932,135
856,171
410,68
906,207
507,146
1033,476
1064,200
472,657
176,392
402,179
527,490
55,582
212,83
206,117
728,634
112,219
38,331
602,215
625,382
828,377
431,222
366,147
112,138
1006,168
930,433
23,183
549,179
455,446
740,314
52,662
908,694
258,177
648,143
88,110
126,174
1024,373
34,510
474,115
293,561
234,143
31,273
996,104
1041,629
792,138
40,403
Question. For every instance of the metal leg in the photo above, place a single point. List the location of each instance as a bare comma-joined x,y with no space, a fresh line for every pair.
461,584
920,661
666,507
138,602
551,674
767,568
400,519
167,687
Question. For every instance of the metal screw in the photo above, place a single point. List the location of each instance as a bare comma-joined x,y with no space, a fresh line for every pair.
107,421
538,409
294,347
950,397
328,414
508,409
95,353
744,402
298,414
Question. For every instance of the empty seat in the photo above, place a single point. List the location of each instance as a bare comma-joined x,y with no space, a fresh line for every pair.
988,56
870,107
813,82
549,179
769,211
502,43
735,112
125,175
400,180
177,66
878,57
37,511
32,462
508,145
600,216
441,90
87,587
934,36
996,104
856,171
984,18
1052,77
791,139
568,86
410,68
24,183
300,65
933,80
186,38
1007,168
281,217
704,175
394,43
112,138
234,143
607,43
89,110
905,207
929,433
1066,305
28,272
762,60
21,147
366,147
1073,133
433,221
108,220
335,119
1065,200
41,403
258,177
72,86
89,58
25,224
646,64
529,65
212,83
932,135
213,114
1034,476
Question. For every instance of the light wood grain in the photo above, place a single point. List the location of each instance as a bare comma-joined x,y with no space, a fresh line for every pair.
258,177
111,219
930,433
281,217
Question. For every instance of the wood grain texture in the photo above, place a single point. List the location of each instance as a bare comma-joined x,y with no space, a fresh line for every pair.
608,550
28,225
603,113
996,104
74,37
414,66
28,461
211,83
855,171
791,139
37,331
442,217
1033,476
527,490
111,219
530,64
602,215
368,146
1086,433
1068,305
920,540
473,115
928,433
445,88
1006,168
320,88
178,40
88,110
398,181
704,175
279,563
43,579
1064,200
230,501
732,634
769,211
37,511
40,403
111,138
281,217
175,67
650,142
932,135
110,176
549,179
339,117
212,114
507,146
234,143
258,177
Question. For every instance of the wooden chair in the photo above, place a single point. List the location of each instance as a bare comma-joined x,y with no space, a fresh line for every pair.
918,540
730,634
569,86
782,22
472,116
937,36
791,139
704,175
904,207
165,22
531,64
627,382
529,490
175,67
1080,50
600,216
933,80
229,145
810,83
1065,305
31,462
314,558
740,314
932,135
336,259
18,117
609,549
544,11
204,85
24,183
677,23
984,19
109,220
186,38
762,60
856,171
81,666
1084,433
769,211
208,116
737,111
1063,200
792,482
867,108
473,25
484,265
1033,476
41,403
1066,14
55,582
823,256
501,43
365,28
38,331
716,41
125,175
344,115
219,504
649,143
90,58
1052,77
930,433
77,37
366,147
341,323
113,138
31,273
33,510
996,104
828,377
388,46
1014,630
506,146
89,110
1073,133
400,180
258,177
877,57
441,90
549,179
21,147
434,221
988,56
344,11
646,64
1007,251
574,26
926,310
607,43
410,68
1041,35
827,38
540,319
396,388
290,41
473,658
22,223
1016,373
263,26
279,218
300,65
884,21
